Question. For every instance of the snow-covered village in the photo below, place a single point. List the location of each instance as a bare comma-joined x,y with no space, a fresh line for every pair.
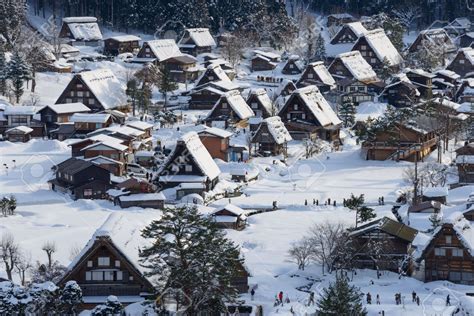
236,157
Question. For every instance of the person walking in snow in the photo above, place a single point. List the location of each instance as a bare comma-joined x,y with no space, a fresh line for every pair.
369,298
448,301
377,299
417,300
413,296
311,299
280,297
252,293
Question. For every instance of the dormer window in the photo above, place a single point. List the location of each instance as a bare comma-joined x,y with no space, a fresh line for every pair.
449,239
295,107
104,261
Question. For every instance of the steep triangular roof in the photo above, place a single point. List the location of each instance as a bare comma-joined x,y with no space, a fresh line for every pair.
237,103
382,46
200,36
357,66
164,49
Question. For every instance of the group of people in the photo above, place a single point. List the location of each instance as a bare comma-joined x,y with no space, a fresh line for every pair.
381,201
415,298
316,202
369,298
279,299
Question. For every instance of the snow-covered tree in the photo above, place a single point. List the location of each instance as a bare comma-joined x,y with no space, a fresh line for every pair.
341,298
43,272
9,254
111,307
347,112
3,71
326,238
364,213
71,297
408,15
393,28
18,73
44,298
320,48
12,17
190,255
301,252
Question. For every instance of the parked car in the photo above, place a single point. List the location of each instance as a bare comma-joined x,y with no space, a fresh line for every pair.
136,169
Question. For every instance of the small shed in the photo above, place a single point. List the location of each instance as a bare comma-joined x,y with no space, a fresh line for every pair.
145,200
145,158
244,174
425,207
230,217
184,189
18,134
437,194
121,44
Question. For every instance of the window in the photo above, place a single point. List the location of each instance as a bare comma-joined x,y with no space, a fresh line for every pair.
455,276
80,94
457,252
373,60
98,125
91,101
104,261
303,116
147,50
119,275
68,100
224,105
352,89
363,47
254,105
87,94
292,66
361,89
71,93
89,264
131,278
467,276
440,252
109,275
97,275
88,276
288,116
80,86
310,76
87,192
188,168
448,240
211,77
117,263
461,61
295,107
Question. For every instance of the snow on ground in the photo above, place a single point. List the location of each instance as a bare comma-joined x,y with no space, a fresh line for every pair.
372,110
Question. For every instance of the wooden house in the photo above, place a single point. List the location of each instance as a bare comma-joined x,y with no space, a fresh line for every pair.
284,90
467,149
111,149
157,51
293,66
463,62
465,166
145,158
121,44
181,68
145,127
423,81
448,76
357,92
425,207
349,33
15,116
465,91
387,236
408,141
436,194
224,64
437,37
229,217
260,103
144,200
136,185
401,92
87,122
60,113
271,137
353,66
81,30
102,269
116,167
318,75
229,110
264,61
466,40
81,179
339,19
205,96
448,255
459,26
197,41
216,141
78,145
377,49
189,162
213,73
21,134
99,90
307,114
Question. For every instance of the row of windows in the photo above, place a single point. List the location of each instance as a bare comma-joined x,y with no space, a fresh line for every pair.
105,276
455,252
65,176
80,93
90,101
103,262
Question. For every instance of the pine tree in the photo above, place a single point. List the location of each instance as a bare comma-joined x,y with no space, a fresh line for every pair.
3,71
364,213
166,84
18,72
71,297
347,113
435,220
189,255
111,307
341,298
386,70
320,48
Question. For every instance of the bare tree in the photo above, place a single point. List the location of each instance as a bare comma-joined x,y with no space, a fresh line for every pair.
408,15
50,248
301,252
233,48
23,266
326,238
10,253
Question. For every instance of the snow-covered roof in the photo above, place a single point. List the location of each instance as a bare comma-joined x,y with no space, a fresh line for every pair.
357,65
447,103
216,131
278,130
200,155
19,110
125,38
143,197
323,73
139,125
341,16
263,98
218,71
80,19
318,105
62,108
164,48
465,159
84,28
231,208
383,47
468,53
448,73
435,192
22,129
201,37
268,55
106,87
89,117
113,145
98,160
357,28
238,104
